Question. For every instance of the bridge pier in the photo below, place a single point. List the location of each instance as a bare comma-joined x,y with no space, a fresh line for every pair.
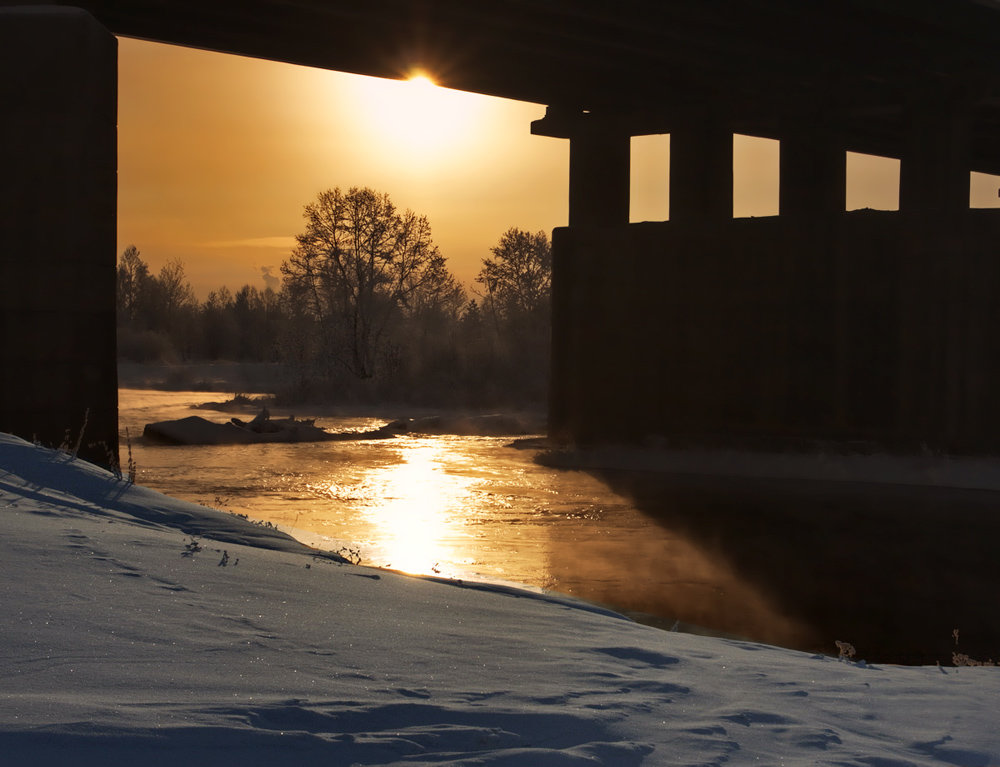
812,327
812,175
934,168
599,174
58,151
701,171
946,338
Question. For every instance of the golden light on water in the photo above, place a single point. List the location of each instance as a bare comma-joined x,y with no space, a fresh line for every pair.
445,506
417,508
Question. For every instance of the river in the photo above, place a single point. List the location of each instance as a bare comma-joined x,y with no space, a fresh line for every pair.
790,563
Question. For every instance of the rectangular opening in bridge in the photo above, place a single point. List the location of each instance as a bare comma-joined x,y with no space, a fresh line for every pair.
984,190
755,176
872,182
649,181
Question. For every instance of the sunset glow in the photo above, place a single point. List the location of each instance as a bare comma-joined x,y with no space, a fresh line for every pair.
422,125
419,77
219,154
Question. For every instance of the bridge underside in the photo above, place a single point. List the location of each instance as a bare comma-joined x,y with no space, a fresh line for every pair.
814,325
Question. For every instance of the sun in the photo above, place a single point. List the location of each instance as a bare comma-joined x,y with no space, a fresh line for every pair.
421,79
417,122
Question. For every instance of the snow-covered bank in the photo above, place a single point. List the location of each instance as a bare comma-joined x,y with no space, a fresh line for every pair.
126,642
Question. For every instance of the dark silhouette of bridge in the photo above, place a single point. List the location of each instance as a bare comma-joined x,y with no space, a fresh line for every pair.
815,324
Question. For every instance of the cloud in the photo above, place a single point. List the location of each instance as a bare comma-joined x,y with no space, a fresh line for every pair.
272,281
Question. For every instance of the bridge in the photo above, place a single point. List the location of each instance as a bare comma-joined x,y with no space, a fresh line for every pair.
813,325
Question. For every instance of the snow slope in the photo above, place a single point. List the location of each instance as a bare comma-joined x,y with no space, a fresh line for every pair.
126,641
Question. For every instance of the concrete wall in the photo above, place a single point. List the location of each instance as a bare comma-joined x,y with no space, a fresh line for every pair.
58,88
768,333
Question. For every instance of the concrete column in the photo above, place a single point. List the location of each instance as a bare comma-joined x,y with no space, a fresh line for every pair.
58,199
934,198
599,165
934,168
701,172
812,175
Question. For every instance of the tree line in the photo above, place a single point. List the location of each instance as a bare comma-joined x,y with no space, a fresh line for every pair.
366,310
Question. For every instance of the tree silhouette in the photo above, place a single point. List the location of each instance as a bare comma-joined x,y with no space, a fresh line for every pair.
133,278
156,313
515,307
357,267
518,277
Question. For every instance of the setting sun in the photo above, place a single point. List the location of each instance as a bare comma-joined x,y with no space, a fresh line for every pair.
417,122
418,77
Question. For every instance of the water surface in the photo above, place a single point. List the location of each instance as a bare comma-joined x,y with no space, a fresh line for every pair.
892,570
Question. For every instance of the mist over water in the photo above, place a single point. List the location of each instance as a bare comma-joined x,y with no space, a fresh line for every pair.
790,563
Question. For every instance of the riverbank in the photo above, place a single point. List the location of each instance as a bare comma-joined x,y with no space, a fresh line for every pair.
231,377
141,628
265,380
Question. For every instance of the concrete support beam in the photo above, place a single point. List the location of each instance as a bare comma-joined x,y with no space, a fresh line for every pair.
701,172
599,171
812,175
58,197
934,200
935,165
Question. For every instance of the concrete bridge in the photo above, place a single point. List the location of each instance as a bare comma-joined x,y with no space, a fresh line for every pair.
815,324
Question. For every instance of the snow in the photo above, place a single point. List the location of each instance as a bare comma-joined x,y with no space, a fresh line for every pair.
126,641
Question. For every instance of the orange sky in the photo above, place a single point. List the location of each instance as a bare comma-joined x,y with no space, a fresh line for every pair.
219,154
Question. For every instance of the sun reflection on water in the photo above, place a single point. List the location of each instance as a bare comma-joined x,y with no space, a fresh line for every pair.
417,507
474,508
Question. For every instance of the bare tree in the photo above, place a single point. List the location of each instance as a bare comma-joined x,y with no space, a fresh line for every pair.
175,292
133,279
156,313
357,268
515,308
518,277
